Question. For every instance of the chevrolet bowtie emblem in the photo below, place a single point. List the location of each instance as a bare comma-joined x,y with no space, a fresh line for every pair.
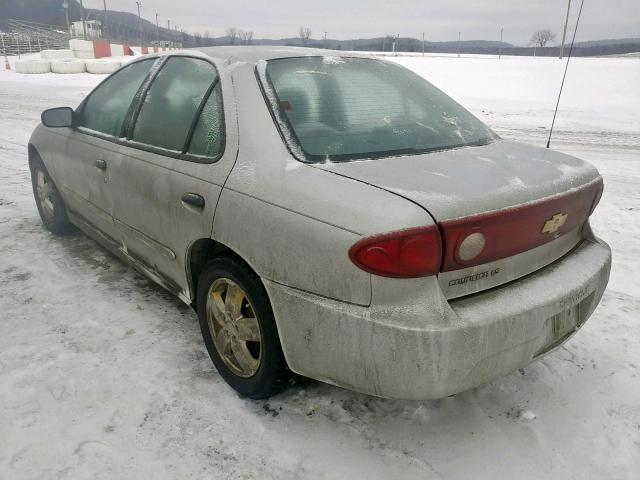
554,223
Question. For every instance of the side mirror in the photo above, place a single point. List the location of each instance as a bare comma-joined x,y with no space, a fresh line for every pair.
57,117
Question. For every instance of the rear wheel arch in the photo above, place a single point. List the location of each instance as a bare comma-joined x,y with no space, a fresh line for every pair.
200,253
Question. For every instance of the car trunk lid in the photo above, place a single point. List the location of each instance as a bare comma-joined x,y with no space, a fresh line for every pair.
529,204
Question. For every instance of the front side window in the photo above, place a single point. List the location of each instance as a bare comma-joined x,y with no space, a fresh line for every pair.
172,102
338,108
107,106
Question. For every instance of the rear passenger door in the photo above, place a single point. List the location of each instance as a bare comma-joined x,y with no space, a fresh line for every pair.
179,150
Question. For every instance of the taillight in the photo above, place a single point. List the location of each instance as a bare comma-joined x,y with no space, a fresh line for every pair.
478,239
416,252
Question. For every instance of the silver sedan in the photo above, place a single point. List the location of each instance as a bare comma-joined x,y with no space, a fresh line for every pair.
330,215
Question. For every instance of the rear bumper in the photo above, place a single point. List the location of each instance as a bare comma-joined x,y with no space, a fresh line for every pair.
451,348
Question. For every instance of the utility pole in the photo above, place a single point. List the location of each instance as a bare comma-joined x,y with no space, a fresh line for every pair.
84,25
157,30
104,20
459,39
423,44
7,65
65,5
500,49
564,33
139,4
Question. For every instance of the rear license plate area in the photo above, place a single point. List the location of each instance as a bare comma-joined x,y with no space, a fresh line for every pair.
561,325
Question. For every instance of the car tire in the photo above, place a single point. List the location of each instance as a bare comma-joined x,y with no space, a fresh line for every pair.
68,65
32,65
264,372
48,200
102,67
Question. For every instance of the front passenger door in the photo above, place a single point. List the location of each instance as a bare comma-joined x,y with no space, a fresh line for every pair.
174,166
92,148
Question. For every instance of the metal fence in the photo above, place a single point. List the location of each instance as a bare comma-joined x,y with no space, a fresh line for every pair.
30,37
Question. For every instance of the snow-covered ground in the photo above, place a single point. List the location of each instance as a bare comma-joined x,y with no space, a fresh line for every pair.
104,376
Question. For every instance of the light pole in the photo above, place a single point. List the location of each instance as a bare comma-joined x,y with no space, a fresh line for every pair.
423,44
500,49
564,33
459,40
157,30
139,4
84,26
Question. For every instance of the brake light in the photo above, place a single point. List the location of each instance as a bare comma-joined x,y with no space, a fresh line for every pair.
416,252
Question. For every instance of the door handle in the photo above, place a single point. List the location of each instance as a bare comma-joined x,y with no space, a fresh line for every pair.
101,164
193,199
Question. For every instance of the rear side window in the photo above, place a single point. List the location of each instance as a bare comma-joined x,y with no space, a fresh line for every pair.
107,106
208,134
172,102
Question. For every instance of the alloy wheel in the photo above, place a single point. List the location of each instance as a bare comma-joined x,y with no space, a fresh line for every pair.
45,193
234,327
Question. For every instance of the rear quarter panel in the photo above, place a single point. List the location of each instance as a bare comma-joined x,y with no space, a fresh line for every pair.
293,223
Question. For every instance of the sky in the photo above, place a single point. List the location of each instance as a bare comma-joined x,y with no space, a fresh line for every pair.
346,19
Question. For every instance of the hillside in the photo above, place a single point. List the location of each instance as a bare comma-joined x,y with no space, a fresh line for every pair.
125,26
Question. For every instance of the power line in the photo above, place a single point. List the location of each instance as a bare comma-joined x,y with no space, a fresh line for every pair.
565,73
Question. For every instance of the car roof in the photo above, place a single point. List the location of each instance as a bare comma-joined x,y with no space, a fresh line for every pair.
254,53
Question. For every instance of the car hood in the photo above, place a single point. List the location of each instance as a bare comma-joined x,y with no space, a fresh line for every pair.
470,180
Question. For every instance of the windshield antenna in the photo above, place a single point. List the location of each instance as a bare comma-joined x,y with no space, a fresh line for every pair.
565,74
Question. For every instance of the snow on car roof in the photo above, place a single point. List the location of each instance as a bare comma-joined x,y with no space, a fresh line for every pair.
253,54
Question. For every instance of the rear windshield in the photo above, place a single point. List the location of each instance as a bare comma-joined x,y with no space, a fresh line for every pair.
337,108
